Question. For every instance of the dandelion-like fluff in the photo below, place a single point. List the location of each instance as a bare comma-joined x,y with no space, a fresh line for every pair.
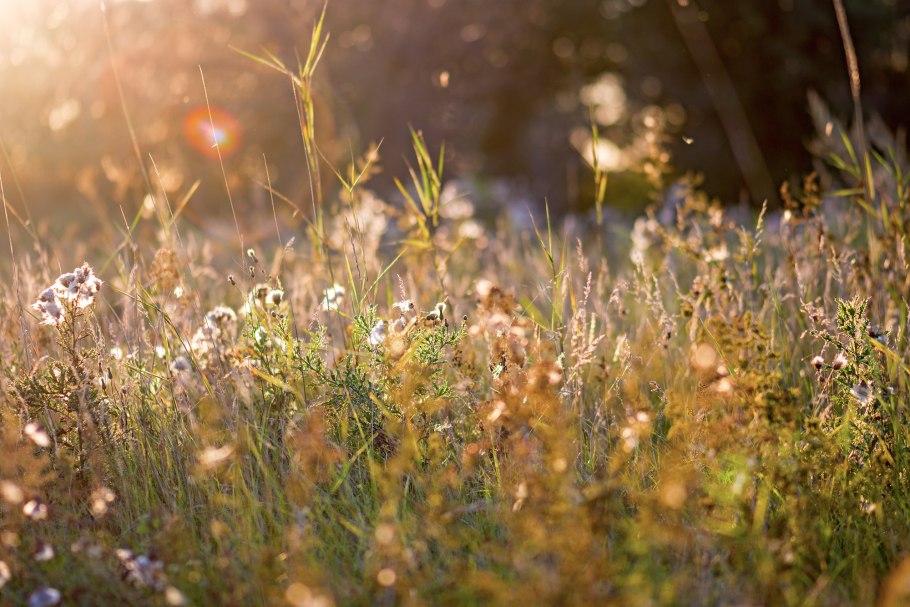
70,293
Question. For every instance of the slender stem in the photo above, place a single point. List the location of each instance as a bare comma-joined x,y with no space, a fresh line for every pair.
853,69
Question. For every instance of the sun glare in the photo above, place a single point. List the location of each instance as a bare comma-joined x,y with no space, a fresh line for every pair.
210,131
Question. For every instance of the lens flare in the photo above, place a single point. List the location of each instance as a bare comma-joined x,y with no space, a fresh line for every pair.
210,133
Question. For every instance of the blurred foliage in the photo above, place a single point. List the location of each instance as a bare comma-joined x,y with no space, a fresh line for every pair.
498,81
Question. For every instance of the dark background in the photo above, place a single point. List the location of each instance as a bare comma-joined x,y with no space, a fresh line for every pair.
514,70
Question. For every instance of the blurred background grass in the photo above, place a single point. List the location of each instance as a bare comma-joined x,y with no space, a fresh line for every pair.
508,85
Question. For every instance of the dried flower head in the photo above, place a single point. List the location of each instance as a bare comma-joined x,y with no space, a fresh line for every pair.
255,299
863,392
704,358
44,597
471,230
878,334
717,254
839,362
404,306
74,290
49,307
181,364
101,499
818,362
172,596
35,509
37,435
220,316
11,493
378,333
211,457
723,386
43,552
274,298
332,297
436,314
142,571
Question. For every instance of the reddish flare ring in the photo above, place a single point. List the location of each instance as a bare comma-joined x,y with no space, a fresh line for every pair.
210,130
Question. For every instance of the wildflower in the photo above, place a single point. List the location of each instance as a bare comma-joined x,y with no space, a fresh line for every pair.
84,546
332,297
80,286
44,597
203,342
704,357
76,289
442,427
878,335
404,306
521,494
378,333
739,483
211,457
35,509
400,325
172,596
220,316
11,493
818,362
101,499
723,386
117,353
644,235
471,230
554,376
673,494
716,217
43,552
629,439
274,298
717,254
499,408
436,314
456,206
369,219
178,292
261,336
867,506
49,307
160,352
385,534
839,362
181,364
862,392
386,577
484,288
142,571
259,293
300,595
37,435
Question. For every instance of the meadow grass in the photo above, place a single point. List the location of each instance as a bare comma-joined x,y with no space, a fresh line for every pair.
404,405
